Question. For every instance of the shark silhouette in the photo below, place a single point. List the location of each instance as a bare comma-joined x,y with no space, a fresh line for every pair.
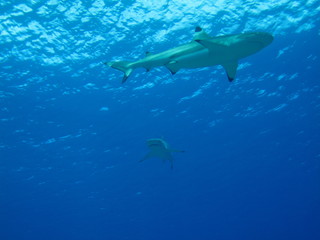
159,148
202,51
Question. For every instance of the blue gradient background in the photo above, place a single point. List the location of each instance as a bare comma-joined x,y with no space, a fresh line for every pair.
71,134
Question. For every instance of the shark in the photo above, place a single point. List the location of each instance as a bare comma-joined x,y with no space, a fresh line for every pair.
202,51
160,149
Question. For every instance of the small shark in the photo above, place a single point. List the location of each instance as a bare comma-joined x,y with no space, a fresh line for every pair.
159,148
202,51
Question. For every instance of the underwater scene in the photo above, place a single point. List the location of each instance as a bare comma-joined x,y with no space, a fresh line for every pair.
143,119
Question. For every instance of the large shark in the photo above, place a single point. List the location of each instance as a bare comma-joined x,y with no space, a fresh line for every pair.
202,51
159,148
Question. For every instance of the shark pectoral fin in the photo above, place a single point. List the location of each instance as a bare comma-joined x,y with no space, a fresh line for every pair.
172,68
231,69
148,155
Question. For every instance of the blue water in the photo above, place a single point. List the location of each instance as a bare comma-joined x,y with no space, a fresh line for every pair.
71,135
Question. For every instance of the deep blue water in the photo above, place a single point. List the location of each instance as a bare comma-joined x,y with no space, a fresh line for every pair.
71,135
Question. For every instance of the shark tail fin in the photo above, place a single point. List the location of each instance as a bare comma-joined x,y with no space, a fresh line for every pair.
122,66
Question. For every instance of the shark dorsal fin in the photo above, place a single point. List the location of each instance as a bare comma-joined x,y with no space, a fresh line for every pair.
200,34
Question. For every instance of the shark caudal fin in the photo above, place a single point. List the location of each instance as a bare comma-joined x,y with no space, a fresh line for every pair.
122,66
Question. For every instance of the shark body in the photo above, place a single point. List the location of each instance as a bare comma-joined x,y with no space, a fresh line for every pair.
202,51
160,149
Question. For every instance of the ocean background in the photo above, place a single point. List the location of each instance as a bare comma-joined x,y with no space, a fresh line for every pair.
71,135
